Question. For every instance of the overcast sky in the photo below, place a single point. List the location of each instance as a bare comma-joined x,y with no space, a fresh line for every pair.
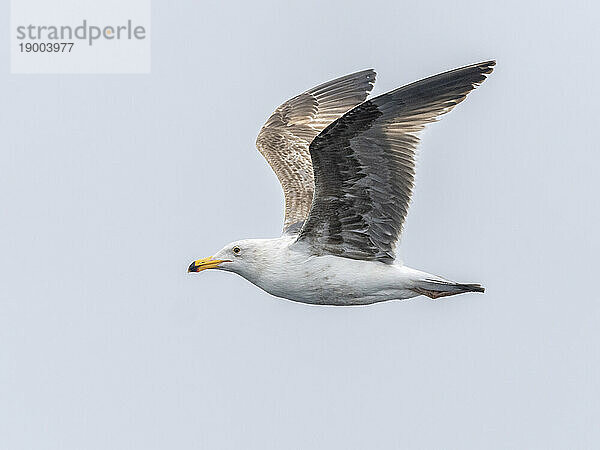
112,184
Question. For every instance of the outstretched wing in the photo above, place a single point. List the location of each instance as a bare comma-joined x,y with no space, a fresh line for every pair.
285,138
364,165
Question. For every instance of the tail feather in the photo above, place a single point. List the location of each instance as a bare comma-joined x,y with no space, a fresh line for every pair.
437,289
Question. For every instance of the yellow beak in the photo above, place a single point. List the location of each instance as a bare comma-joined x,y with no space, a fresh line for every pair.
206,263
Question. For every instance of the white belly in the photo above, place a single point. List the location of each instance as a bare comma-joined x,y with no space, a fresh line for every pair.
331,280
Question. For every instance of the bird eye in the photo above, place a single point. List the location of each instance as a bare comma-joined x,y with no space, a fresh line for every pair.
237,250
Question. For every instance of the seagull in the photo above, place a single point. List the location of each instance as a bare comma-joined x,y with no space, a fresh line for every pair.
347,166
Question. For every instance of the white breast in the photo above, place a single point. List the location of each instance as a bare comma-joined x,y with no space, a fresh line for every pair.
291,272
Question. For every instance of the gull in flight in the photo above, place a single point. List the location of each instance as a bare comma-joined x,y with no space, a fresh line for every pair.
347,168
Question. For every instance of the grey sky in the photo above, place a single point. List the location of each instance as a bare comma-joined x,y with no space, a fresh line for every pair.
112,184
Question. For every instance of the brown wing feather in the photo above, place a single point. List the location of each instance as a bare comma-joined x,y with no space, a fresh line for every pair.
364,165
287,134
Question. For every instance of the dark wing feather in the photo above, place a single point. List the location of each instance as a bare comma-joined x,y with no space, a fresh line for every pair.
364,165
285,137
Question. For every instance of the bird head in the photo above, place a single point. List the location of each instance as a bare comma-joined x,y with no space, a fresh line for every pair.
232,258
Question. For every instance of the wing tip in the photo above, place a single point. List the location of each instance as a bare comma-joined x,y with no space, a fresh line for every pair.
486,67
477,73
371,76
